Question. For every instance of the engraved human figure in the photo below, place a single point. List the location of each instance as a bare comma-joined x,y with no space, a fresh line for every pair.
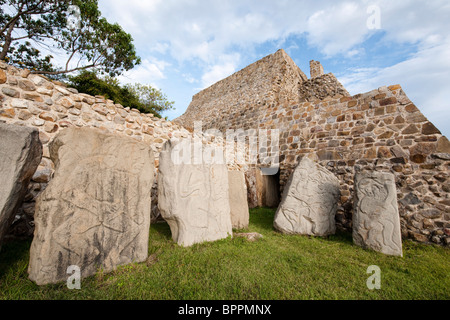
376,221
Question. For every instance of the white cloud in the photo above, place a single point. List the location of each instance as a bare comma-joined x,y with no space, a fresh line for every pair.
424,78
216,73
148,72
338,28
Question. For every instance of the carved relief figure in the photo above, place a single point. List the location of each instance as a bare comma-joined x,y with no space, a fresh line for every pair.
309,202
376,221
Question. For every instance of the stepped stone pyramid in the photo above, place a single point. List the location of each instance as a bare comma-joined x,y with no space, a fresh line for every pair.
379,130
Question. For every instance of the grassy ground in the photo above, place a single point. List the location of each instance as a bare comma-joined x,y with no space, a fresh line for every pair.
277,267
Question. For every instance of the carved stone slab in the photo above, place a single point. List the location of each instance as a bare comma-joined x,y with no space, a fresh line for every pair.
376,220
20,154
193,198
309,201
95,212
238,200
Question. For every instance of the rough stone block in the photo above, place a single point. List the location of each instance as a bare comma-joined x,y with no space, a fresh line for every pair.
376,219
309,201
20,155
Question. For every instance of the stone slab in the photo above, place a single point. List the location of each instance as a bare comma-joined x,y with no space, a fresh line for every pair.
376,219
95,212
309,202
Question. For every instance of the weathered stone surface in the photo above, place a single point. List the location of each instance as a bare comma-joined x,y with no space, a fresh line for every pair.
20,155
251,237
309,201
193,198
376,220
238,200
95,212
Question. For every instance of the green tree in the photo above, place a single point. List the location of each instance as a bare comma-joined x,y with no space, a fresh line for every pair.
145,98
74,27
153,100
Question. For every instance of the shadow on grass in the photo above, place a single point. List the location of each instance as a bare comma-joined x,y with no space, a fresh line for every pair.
262,218
163,230
12,253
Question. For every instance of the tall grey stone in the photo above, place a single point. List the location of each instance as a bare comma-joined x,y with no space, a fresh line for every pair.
376,219
20,155
238,199
95,212
192,197
309,201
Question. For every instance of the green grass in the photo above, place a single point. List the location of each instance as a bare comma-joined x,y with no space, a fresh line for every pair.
277,267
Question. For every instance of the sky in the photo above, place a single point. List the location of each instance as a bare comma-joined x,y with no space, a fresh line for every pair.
188,45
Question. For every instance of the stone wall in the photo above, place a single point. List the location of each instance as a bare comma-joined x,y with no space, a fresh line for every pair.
35,101
379,130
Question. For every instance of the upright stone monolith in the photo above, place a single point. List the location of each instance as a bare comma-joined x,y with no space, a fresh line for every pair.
193,197
95,212
376,219
20,155
309,201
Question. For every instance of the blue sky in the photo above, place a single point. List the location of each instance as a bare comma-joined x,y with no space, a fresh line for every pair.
187,45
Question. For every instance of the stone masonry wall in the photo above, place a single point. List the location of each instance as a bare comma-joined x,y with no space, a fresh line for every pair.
379,130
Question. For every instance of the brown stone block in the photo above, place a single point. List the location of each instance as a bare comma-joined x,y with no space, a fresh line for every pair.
429,128
7,113
50,127
358,130
328,155
3,77
379,111
370,127
352,103
395,87
383,152
345,99
380,96
386,135
33,97
410,129
411,108
47,116
388,101
391,109
399,119
418,158
370,153
423,148
358,116
443,145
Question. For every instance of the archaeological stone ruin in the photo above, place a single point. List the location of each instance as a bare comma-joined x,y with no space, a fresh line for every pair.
84,177
309,202
96,210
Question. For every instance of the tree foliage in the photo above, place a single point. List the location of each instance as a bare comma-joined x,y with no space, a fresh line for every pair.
145,98
74,27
